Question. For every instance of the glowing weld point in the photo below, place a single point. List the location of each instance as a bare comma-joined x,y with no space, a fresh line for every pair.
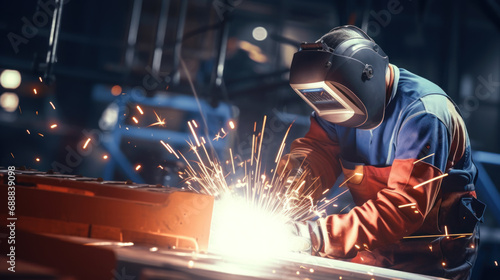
190,264
34,91
135,119
231,124
311,270
430,247
139,109
86,143
53,126
138,167
52,104
428,181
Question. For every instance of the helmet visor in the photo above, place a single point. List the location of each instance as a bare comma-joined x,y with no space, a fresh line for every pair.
328,100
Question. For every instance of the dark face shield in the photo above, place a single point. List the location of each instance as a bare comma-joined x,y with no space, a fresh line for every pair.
341,89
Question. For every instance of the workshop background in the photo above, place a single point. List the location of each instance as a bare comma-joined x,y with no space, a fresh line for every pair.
84,70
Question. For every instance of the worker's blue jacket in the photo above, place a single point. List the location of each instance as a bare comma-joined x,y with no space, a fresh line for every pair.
411,176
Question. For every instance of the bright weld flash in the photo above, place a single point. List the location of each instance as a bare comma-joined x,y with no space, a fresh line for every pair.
242,230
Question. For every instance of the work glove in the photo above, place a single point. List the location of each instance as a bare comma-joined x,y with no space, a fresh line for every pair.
307,237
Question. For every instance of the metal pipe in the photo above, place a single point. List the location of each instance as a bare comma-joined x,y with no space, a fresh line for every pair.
53,40
132,33
218,70
176,77
160,36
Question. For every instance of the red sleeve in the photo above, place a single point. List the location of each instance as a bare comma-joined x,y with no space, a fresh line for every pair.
379,222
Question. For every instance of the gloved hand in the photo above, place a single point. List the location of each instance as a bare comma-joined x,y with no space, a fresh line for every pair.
307,237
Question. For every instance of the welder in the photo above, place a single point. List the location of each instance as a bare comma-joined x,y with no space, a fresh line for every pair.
403,149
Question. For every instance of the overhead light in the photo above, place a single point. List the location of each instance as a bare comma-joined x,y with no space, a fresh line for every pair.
9,101
259,33
10,79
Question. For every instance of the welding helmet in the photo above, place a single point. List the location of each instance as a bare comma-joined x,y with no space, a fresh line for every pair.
342,77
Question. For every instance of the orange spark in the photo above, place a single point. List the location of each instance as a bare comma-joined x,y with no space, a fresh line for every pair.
438,235
52,104
232,161
496,263
40,79
40,134
53,126
406,205
139,109
194,134
138,167
433,179
169,148
12,155
231,124
423,158
443,263
160,122
194,123
446,232
37,159
36,112
34,91
135,119
86,143
105,156
28,131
